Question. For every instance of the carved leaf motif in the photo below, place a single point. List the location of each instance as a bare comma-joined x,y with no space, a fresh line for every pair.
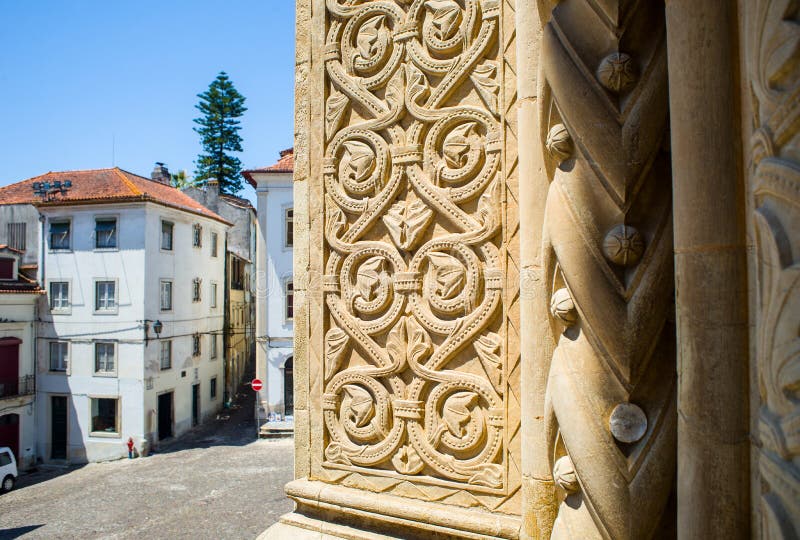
449,274
335,341
417,89
407,460
370,37
396,344
419,342
484,77
407,221
456,145
335,453
456,412
782,44
488,349
335,221
335,108
362,407
359,158
488,206
395,89
369,277
446,17
491,475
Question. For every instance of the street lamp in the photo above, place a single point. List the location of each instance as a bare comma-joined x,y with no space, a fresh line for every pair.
158,326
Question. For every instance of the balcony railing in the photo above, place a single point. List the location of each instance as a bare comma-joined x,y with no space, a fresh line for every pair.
22,386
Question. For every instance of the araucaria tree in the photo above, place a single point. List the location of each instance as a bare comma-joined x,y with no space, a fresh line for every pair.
219,127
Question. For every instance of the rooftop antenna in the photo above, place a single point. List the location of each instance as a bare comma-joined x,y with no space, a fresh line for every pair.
48,191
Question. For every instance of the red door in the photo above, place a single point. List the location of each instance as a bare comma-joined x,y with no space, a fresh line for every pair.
9,433
9,366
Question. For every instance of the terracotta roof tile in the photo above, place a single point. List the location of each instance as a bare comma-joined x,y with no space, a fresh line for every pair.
284,165
104,185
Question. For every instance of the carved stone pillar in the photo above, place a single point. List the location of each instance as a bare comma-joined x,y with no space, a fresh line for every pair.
711,271
408,330
772,33
610,403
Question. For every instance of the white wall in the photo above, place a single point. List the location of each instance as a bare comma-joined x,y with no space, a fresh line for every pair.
274,268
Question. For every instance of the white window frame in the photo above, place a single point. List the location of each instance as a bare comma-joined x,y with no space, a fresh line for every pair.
106,217
286,221
59,310
197,345
66,346
214,243
99,311
213,292
68,221
161,284
213,391
168,343
286,283
117,418
106,373
197,236
213,339
171,248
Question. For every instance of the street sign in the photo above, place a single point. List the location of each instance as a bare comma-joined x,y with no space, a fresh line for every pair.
256,384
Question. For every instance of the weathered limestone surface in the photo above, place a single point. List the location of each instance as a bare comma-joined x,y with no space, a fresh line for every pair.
497,202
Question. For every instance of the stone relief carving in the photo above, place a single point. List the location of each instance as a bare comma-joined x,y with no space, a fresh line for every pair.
417,383
610,403
773,34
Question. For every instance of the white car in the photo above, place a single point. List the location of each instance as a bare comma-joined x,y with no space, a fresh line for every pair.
8,469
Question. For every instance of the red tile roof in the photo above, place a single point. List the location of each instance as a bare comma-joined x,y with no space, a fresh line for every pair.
284,165
23,283
104,186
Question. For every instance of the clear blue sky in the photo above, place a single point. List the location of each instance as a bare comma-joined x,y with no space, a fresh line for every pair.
76,75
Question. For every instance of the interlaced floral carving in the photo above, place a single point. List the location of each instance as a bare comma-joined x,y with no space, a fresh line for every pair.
414,362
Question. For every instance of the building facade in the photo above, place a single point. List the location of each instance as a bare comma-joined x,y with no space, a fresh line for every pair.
275,285
130,332
19,299
547,262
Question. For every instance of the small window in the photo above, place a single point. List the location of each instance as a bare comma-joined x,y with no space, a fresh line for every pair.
196,289
7,265
213,346
213,295
104,358
59,295
58,355
214,240
196,345
166,354
289,227
105,415
166,235
5,459
16,236
105,298
105,233
166,295
59,235
289,300
197,236
213,387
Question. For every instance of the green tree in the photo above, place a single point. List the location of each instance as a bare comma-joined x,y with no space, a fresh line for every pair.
180,180
219,127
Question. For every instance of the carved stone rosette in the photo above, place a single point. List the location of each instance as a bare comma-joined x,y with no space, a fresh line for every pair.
415,383
610,403
773,34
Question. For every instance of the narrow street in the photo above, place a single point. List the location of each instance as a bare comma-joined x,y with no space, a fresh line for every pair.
216,482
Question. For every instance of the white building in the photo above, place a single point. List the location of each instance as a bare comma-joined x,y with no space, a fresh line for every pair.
129,343
19,296
274,284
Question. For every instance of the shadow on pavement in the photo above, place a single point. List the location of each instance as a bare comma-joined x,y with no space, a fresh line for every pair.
234,426
16,532
42,473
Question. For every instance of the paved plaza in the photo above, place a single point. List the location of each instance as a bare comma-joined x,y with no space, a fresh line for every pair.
218,482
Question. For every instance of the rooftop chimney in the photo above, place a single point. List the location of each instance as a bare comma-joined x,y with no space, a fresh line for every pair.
160,174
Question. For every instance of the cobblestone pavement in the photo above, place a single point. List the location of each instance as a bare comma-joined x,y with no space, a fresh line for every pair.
218,482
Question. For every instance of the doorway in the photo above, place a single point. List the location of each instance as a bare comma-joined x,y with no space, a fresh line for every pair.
288,387
58,427
164,416
195,404
9,433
